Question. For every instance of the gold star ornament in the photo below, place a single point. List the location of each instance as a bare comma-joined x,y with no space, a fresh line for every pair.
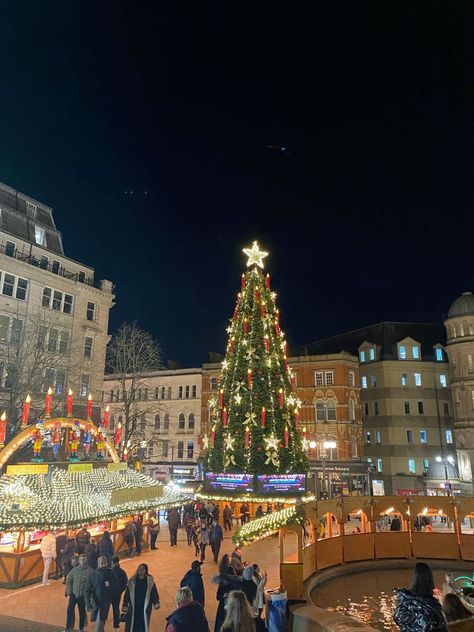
255,255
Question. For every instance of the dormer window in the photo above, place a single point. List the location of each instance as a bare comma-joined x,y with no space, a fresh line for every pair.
415,352
40,236
402,352
438,354
362,356
372,354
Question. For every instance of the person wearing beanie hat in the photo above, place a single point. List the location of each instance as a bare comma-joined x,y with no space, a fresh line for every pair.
248,585
193,580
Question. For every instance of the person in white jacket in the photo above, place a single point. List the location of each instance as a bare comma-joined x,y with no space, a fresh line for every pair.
48,553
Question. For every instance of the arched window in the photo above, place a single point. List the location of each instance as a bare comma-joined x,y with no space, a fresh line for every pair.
320,410
166,422
112,422
214,383
157,422
181,421
331,409
191,421
352,412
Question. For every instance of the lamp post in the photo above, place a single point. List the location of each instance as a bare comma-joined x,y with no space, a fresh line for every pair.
445,461
312,445
327,445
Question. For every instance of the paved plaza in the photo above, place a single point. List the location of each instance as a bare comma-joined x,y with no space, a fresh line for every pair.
47,604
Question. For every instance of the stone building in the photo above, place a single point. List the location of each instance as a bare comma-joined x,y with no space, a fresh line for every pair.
460,349
53,314
169,407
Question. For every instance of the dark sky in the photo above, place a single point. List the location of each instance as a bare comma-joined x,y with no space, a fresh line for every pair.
368,213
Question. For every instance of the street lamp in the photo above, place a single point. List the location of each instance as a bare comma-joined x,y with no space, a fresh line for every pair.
449,459
327,445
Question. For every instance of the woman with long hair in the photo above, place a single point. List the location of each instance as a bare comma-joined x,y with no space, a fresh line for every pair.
417,610
459,618
239,617
227,581
141,595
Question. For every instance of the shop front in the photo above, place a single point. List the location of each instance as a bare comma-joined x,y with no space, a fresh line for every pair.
338,478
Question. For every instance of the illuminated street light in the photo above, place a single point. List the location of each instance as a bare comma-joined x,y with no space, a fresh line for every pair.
312,444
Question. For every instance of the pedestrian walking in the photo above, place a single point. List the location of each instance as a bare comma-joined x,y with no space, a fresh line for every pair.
61,542
189,614
239,616
227,581
106,547
48,553
76,584
195,536
140,596
215,539
153,529
193,580
203,540
249,587
138,520
83,537
173,522
69,552
417,609
122,580
100,590
227,516
203,514
188,525
129,532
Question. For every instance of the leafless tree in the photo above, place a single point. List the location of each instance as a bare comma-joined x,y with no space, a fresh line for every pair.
131,355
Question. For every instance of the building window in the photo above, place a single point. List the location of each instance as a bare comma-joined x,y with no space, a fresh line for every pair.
409,436
157,422
164,449
190,449
421,408
112,422
194,391
329,375
58,301
163,392
372,354
10,249
187,392
180,449
362,356
426,465
470,363
31,209
351,410
373,381
404,379
366,408
55,267
406,407
142,422
367,437
411,466
40,236
449,436
318,378
438,354
354,450
90,312
423,436
14,286
443,381
166,422
88,342
214,384
351,378
402,352
378,437
191,421
181,421
44,261
415,352
84,389
417,379
145,393
445,408
363,381
379,465
320,411
376,408
180,392
331,409
169,392
81,276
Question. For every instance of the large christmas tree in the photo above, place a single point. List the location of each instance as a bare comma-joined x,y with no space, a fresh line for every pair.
254,418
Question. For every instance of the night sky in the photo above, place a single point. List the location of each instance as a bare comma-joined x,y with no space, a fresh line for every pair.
340,137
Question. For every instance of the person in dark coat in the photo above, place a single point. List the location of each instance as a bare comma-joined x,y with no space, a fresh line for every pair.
69,551
173,522
417,610
91,552
141,595
227,515
249,587
193,579
189,614
122,580
259,512
215,539
395,525
83,537
106,547
203,514
138,532
227,581
100,589
61,541
129,533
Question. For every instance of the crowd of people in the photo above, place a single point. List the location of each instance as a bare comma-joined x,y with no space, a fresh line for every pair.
97,586
423,608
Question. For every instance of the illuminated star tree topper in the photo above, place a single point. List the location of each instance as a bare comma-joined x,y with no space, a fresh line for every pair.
255,255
